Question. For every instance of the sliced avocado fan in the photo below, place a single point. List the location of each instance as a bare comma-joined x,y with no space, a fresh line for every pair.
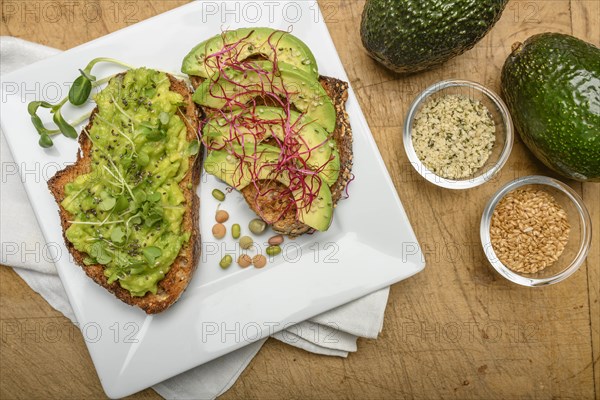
240,44
314,145
237,173
233,88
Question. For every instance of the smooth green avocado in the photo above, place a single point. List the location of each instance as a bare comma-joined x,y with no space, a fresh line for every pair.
127,212
313,143
262,166
235,87
409,36
551,85
249,42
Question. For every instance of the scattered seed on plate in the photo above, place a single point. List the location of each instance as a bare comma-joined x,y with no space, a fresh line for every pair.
273,250
257,226
236,231
217,194
244,261
226,261
275,240
221,216
219,230
259,261
246,242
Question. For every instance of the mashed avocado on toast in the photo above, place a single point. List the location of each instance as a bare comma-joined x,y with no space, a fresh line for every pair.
128,205
275,129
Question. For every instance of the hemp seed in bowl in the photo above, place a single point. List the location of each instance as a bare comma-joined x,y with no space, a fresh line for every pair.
453,135
457,134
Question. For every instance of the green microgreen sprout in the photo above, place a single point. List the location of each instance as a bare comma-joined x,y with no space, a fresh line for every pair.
81,89
154,197
64,127
121,204
151,253
117,235
193,148
79,93
107,204
100,253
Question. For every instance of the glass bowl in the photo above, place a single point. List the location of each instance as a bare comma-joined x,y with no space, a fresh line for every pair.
499,113
578,243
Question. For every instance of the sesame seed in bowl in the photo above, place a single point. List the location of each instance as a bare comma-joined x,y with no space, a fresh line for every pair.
529,230
536,231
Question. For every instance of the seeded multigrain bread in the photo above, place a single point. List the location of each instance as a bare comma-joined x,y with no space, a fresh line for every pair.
282,209
176,280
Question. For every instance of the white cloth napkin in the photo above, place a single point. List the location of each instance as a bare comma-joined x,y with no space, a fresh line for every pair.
332,333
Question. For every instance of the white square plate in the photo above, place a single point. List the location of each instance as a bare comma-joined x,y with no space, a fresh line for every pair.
370,244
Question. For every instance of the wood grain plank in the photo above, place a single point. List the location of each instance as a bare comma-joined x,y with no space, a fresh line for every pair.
66,24
585,15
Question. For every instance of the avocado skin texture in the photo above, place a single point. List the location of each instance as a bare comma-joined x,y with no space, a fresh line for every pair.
551,84
409,36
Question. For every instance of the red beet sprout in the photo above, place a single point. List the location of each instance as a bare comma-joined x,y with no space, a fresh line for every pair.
247,129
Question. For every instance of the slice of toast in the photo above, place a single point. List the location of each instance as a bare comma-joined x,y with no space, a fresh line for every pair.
282,209
178,277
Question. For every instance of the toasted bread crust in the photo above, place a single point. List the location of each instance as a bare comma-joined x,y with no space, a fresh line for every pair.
176,280
283,210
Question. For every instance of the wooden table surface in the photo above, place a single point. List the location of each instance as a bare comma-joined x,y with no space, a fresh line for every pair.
456,330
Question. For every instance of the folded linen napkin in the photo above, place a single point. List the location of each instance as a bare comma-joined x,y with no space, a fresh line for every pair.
332,333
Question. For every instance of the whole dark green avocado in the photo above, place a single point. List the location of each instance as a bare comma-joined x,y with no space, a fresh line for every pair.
551,84
413,35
